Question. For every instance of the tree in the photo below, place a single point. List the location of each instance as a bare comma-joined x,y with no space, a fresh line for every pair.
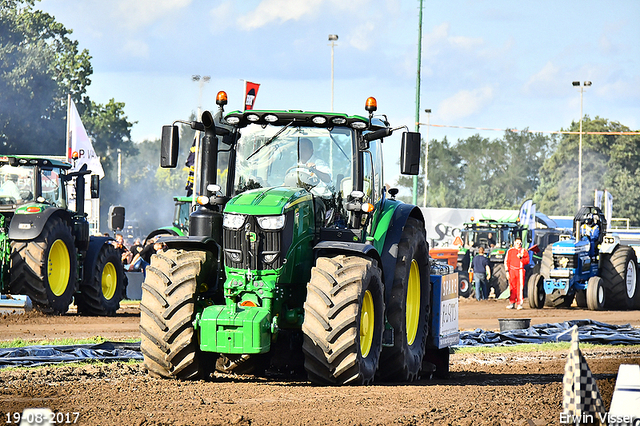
482,173
608,162
39,66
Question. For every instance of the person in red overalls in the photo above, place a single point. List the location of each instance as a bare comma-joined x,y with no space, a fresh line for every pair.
514,263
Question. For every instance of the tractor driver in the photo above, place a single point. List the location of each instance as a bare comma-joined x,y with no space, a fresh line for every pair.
10,187
316,165
591,231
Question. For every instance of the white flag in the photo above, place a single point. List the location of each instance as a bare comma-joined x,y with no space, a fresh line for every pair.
79,142
525,211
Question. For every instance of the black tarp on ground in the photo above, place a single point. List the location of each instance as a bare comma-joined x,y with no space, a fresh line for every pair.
589,332
51,354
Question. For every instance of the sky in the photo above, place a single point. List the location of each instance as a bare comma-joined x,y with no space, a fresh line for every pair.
484,64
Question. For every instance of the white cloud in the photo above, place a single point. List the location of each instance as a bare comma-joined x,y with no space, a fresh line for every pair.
464,103
136,49
221,16
440,39
362,36
136,15
279,11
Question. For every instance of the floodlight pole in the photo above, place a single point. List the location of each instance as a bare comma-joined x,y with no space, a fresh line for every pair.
582,86
415,178
332,39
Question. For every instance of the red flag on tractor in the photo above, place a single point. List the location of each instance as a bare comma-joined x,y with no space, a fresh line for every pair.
250,93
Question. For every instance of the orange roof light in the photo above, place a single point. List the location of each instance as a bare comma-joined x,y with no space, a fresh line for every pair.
367,207
75,155
371,104
221,98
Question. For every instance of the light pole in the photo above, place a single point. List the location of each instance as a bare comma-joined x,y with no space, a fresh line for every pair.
582,86
426,159
332,38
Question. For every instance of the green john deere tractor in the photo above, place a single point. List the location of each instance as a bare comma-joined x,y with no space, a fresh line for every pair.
296,258
46,251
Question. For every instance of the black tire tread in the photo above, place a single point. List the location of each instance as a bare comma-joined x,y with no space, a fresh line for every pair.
91,300
167,309
331,345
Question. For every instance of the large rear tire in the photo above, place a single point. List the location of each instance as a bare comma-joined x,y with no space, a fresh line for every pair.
343,321
537,295
169,343
408,307
103,287
619,273
559,300
45,268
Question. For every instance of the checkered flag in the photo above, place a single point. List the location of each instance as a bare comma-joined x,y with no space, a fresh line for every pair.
580,390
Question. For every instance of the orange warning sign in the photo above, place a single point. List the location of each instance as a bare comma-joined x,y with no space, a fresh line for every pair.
457,241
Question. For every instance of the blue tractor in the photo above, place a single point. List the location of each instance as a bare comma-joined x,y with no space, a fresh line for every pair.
590,266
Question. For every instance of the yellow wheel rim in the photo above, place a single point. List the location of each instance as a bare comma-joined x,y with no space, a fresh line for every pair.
109,281
367,316
58,267
413,302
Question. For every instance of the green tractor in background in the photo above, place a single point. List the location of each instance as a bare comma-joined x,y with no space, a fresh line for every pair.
495,237
294,261
46,250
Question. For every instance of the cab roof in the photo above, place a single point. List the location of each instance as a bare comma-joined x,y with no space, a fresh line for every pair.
27,160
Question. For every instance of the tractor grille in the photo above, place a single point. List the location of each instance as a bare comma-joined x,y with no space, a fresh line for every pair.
569,261
254,248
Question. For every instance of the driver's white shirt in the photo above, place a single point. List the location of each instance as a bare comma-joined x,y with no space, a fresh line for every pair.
320,165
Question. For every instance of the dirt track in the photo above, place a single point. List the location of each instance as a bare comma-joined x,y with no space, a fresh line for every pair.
501,389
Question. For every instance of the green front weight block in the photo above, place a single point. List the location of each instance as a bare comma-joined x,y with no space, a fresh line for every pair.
246,331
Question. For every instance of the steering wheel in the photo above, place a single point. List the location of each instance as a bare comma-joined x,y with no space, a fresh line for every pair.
300,173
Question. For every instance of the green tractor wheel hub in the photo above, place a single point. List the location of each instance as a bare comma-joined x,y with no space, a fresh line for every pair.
58,267
109,281
367,326
631,279
413,302
230,330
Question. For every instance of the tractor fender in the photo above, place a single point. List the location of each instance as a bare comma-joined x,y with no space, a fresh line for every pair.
95,244
165,231
30,226
333,247
189,242
392,238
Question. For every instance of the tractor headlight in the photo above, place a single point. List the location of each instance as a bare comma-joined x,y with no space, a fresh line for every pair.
233,221
271,222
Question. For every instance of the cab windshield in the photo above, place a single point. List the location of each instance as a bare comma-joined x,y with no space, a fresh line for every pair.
17,184
316,159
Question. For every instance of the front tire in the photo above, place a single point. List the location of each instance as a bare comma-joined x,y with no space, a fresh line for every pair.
596,294
537,295
45,268
169,343
499,280
103,287
464,285
619,273
343,321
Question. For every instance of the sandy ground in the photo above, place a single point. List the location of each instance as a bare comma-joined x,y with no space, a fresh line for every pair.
484,389
124,325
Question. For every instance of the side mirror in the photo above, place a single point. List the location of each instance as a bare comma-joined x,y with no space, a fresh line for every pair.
410,153
95,186
116,218
169,146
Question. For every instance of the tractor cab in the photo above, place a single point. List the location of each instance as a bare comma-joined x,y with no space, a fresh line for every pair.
31,180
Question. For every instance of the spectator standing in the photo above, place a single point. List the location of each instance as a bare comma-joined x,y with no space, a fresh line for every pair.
481,274
125,253
515,261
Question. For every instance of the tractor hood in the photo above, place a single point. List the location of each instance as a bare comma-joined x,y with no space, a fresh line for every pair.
571,247
267,201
